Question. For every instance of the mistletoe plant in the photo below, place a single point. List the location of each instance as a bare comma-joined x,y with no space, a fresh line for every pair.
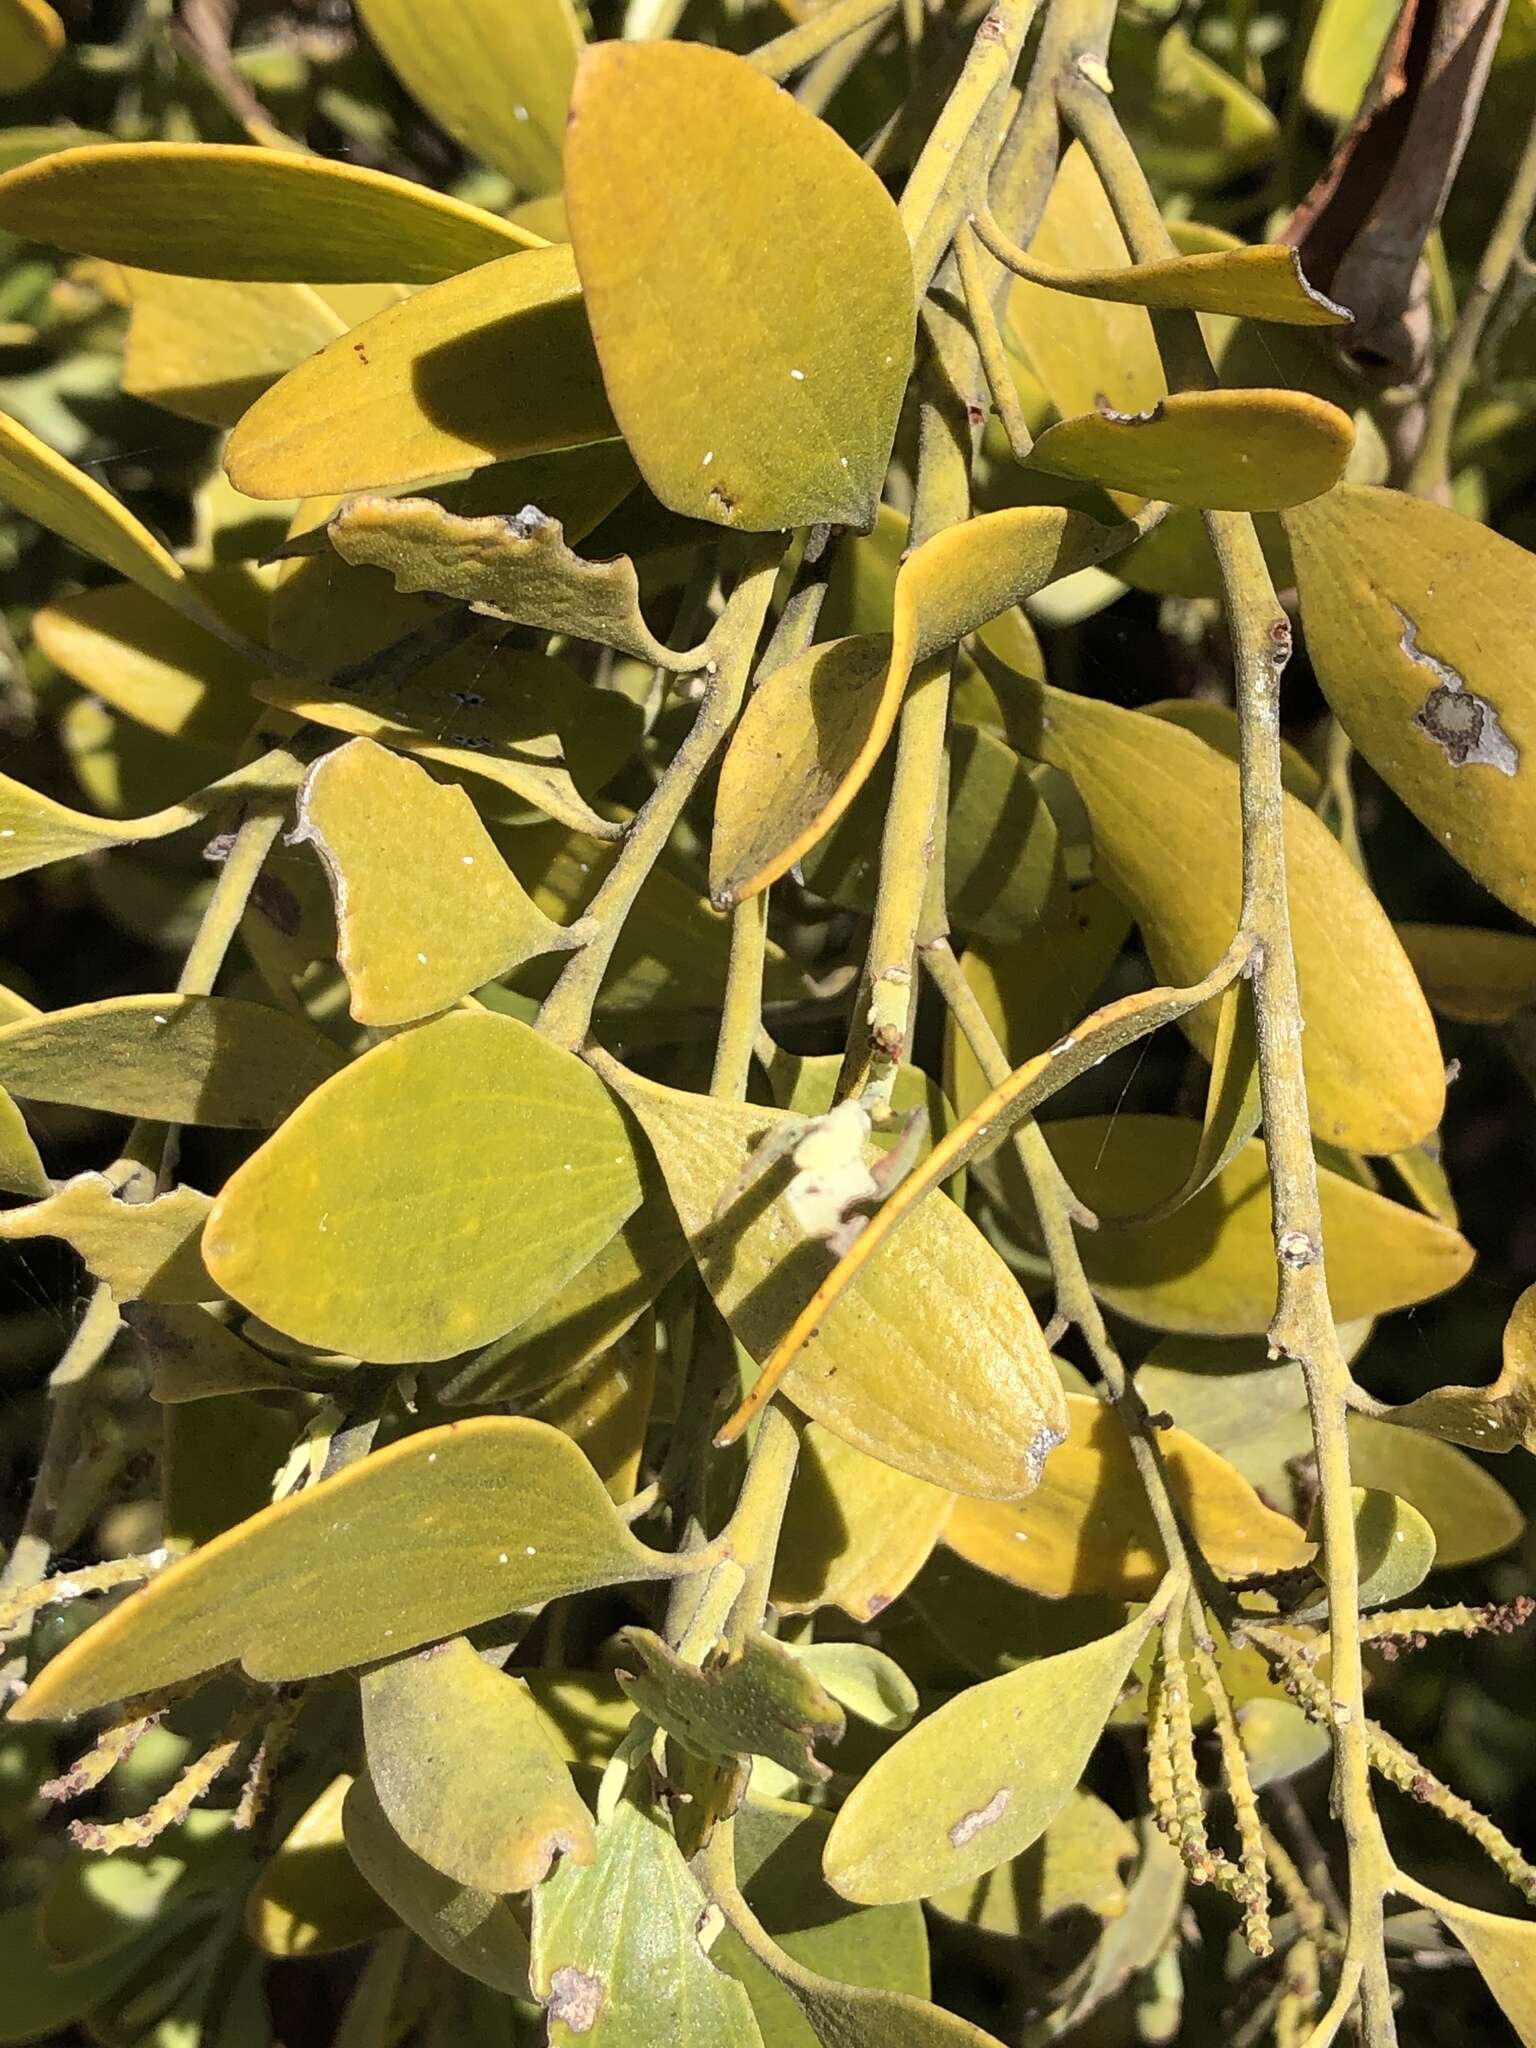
587,1274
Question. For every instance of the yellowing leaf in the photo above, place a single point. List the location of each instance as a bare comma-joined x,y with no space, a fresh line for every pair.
1413,622
465,1772
977,1782
430,1536
755,329
517,568
468,1927
495,363
31,37
1504,1951
1235,451
1087,1527
43,486
37,829
1492,1418
814,730
606,1408
253,215
141,1250
21,1168
1209,1268
412,867
376,1222
617,1955
856,1531
165,671
1477,977
497,79
1081,349
311,1900
1263,283
932,1360
1375,1075
521,721
180,1059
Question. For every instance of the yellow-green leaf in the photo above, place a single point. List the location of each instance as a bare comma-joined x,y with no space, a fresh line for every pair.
1346,41
813,732
21,1167
862,1679
495,363
514,567
465,1772
141,1250
1263,283
1279,1740
1475,976
1492,1418
932,1360
311,1900
856,1531
1235,451
412,868
1394,1543
252,215
378,1220
1504,1951
162,669
755,328
522,721
759,1701
1209,1268
1414,623
977,1782
180,1059
606,1407
1075,1863
497,79
1193,122
37,829
31,37
468,1927
196,1357
617,1956
432,1535
1087,1527
1375,1074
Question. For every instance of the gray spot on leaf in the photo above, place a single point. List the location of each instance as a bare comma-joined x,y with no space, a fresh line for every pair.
1464,726
575,1999
969,1825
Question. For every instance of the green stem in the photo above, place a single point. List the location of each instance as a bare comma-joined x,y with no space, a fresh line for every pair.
989,340
811,39
252,842
1430,475
567,1012
741,1014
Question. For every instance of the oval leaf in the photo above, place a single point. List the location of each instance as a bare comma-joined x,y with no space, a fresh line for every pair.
756,330
856,1531
430,1536
375,1221
142,1251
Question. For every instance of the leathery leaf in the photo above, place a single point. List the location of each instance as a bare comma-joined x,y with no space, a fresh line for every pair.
250,214
1375,1075
381,1220
1414,620
180,1059
762,1702
143,1251
1234,451
467,1776
1262,283
1396,1546
1087,1527
432,1535
1504,1951
411,867
619,1954
468,1927
856,1531
755,329
932,1360
492,364
814,730
31,37
311,1899
1492,1418
982,1778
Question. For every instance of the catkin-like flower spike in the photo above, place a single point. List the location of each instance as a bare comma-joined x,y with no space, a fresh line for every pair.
139,1829
265,1758
1302,1903
1300,1996
1160,1793
110,1748
1410,1628
1403,1769
63,1586
1189,1800
1245,1806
